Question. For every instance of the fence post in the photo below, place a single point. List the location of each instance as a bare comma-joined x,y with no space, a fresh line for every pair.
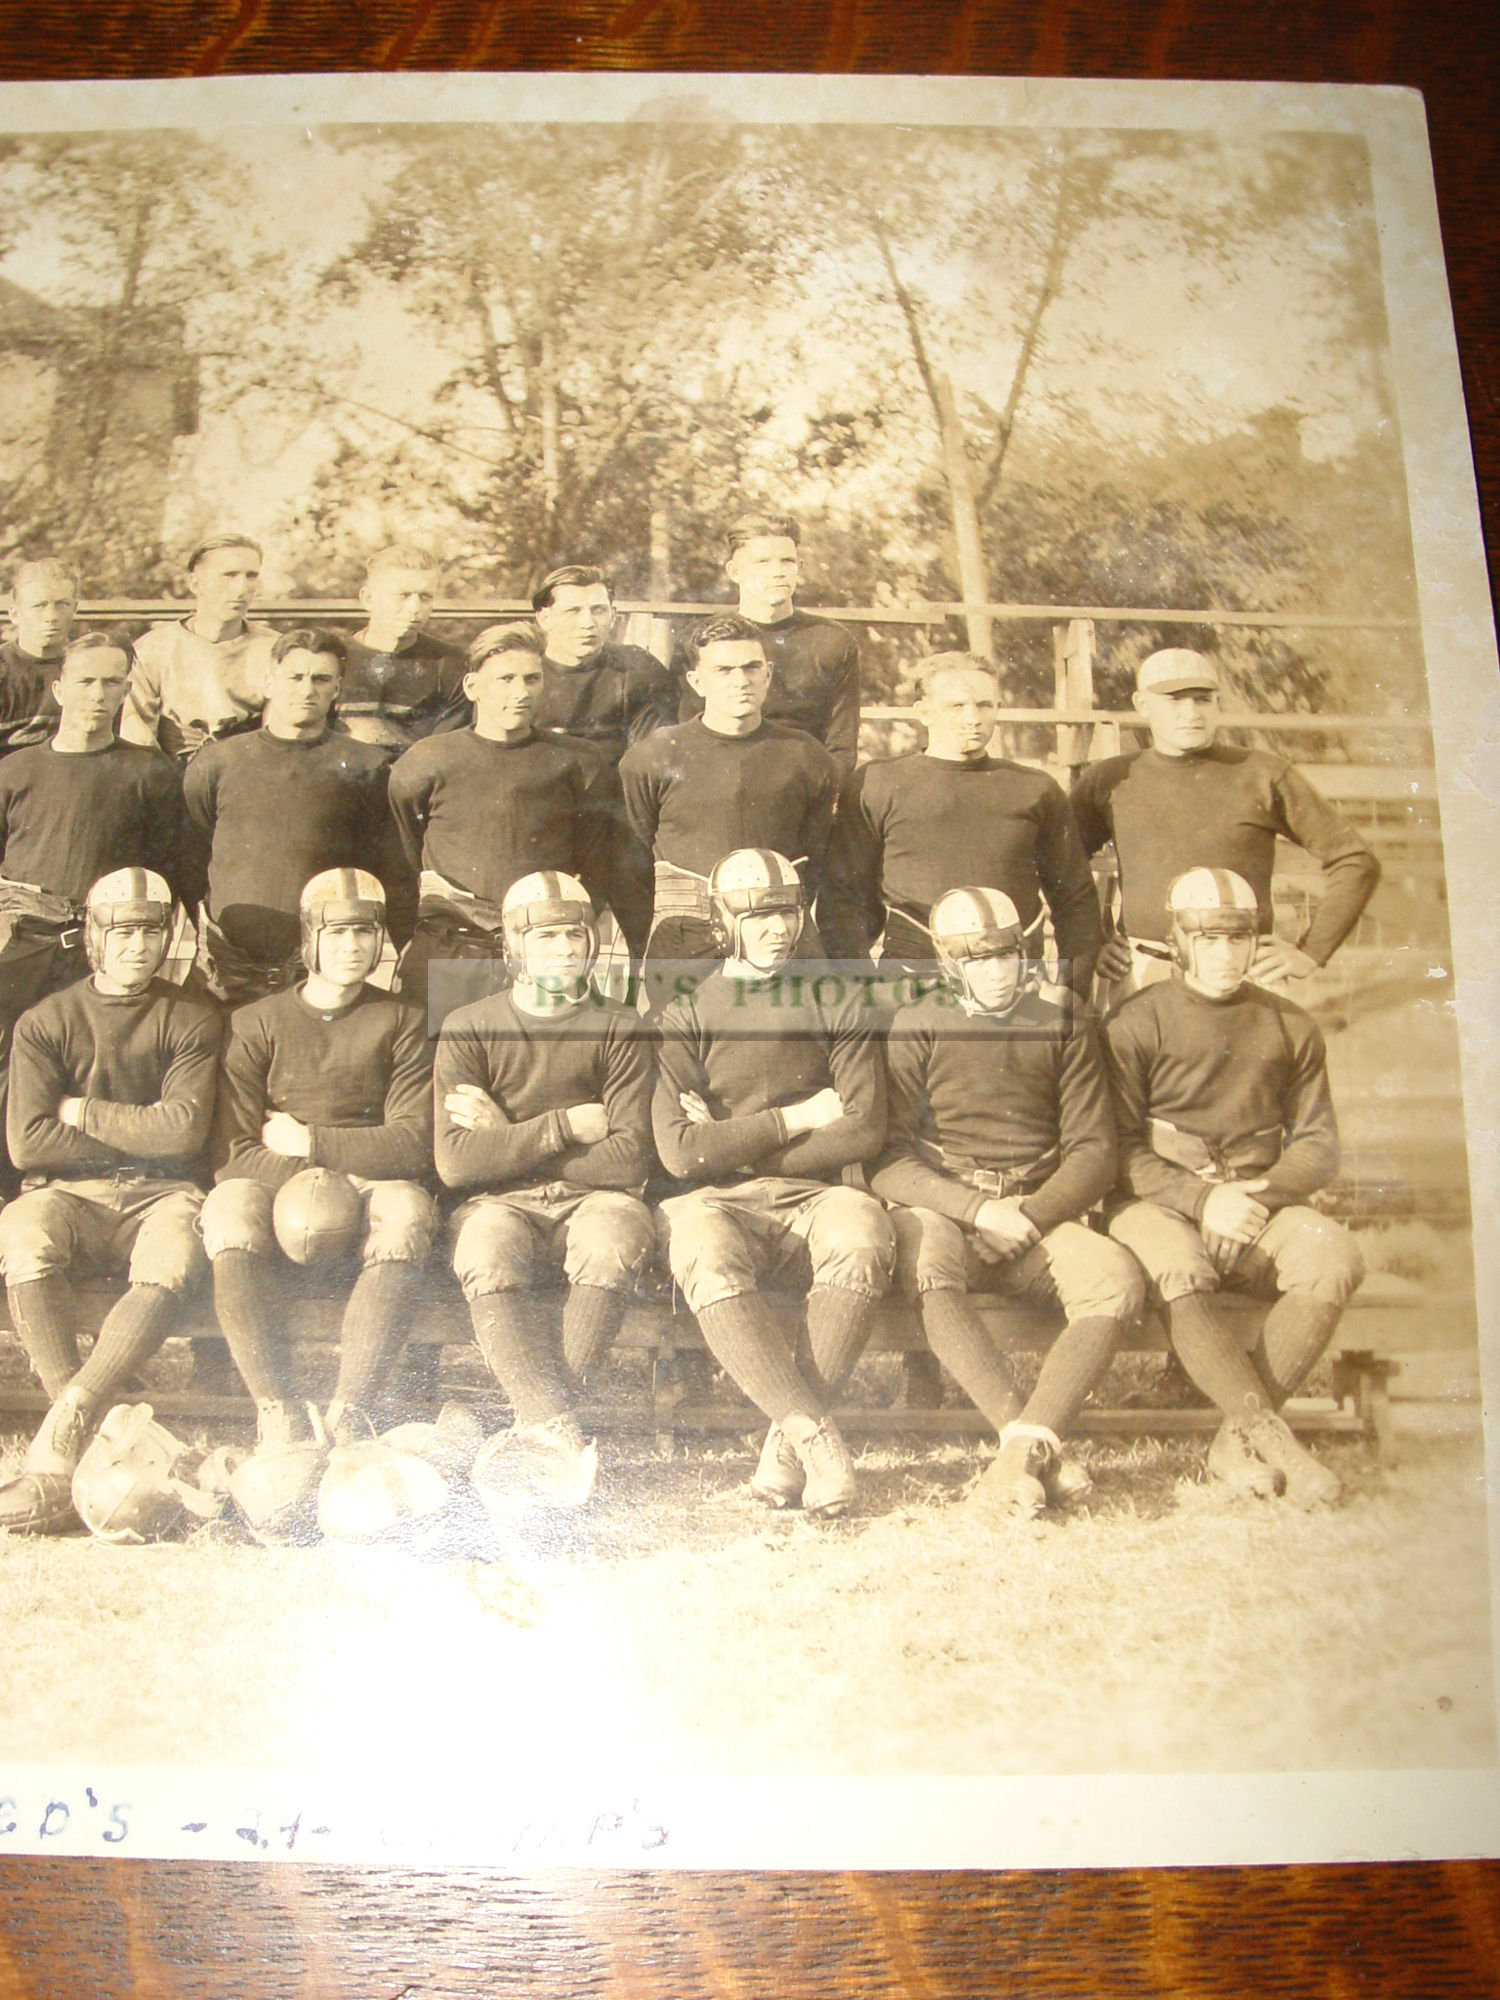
1073,679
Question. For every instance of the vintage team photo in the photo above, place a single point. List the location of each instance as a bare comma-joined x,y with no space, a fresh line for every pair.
727,1011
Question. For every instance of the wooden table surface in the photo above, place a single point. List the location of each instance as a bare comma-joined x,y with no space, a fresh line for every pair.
159,1929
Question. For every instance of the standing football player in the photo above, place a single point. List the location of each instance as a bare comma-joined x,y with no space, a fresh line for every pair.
400,680
770,1083
335,1075
1190,801
609,694
111,1097
814,662
43,605
1002,1138
544,1126
203,675
1226,1128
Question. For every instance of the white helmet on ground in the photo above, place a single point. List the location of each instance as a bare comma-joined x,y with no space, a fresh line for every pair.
753,882
338,896
1210,901
541,901
971,923
127,896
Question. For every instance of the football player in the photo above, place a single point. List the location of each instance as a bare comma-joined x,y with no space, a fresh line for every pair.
770,1083
544,1126
725,780
917,825
1001,1140
592,686
1226,1127
111,1097
400,680
331,1074
1190,801
43,605
814,662
203,675
271,807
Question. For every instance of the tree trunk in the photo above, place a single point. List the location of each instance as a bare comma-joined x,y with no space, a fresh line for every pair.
547,409
972,576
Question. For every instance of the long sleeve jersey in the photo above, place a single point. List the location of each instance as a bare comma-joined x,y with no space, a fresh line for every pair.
67,817
1219,808
395,699
359,1079
28,708
183,688
814,682
1245,1080
1024,1096
144,1065
264,815
622,694
750,1047
916,826
535,1068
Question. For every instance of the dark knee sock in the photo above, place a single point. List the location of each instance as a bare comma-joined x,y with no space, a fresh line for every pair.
42,1313
136,1326
591,1319
956,1335
744,1338
1077,1358
519,1352
374,1329
1296,1331
835,1337
1213,1357
247,1300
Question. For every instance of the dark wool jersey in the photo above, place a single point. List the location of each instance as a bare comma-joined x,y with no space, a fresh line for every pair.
68,817
814,681
536,1068
144,1064
747,1047
692,796
611,701
1024,1095
1219,808
915,826
482,814
360,1078
395,699
1247,1076
265,815
28,708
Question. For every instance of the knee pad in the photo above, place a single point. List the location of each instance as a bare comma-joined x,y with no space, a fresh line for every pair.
236,1215
493,1251
402,1219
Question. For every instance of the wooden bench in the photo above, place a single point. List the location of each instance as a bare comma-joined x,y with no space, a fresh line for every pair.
1388,1318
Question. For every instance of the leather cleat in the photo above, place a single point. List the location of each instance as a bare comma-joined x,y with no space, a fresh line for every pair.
1235,1464
58,1444
1011,1484
829,1486
547,1463
38,1503
1066,1481
779,1477
1308,1484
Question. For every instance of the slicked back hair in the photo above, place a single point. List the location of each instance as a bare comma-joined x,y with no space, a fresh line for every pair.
403,555
51,567
571,576
521,636
719,630
938,664
98,642
311,639
751,527
227,540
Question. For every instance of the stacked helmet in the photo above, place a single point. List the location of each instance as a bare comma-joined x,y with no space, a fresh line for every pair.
975,923
338,896
753,882
128,896
1210,901
539,902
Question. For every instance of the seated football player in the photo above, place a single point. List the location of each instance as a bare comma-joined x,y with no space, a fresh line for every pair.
111,1097
203,675
334,1075
544,1125
43,605
770,1083
400,680
1226,1128
1001,1140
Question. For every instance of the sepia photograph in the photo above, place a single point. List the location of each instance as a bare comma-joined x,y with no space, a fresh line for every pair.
744,897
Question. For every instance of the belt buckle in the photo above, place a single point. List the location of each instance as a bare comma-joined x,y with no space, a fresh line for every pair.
69,935
988,1180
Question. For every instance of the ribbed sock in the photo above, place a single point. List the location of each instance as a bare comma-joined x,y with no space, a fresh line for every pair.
836,1338
1213,1357
515,1341
374,1330
1297,1330
42,1313
247,1300
136,1326
1075,1361
744,1338
591,1319
956,1335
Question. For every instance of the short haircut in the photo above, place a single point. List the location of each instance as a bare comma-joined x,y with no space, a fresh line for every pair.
310,639
571,576
226,540
937,664
402,555
519,637
751,527
719,630
52,569
98,642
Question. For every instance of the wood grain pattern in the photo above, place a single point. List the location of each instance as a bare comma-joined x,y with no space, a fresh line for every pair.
160,1929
